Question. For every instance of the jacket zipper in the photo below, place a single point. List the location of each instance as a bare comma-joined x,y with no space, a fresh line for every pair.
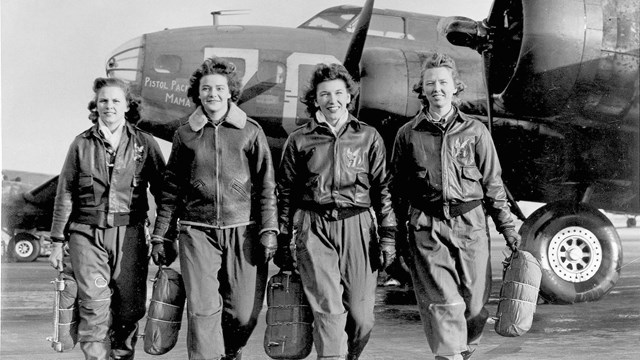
218,207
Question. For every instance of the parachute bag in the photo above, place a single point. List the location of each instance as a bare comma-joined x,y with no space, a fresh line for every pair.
65,312
289,333
164,317
518,295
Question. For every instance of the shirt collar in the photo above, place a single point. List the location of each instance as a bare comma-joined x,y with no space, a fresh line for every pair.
423,118
112,137
314,124
339,124
105,129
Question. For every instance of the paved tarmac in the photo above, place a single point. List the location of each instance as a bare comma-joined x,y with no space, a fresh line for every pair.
606,329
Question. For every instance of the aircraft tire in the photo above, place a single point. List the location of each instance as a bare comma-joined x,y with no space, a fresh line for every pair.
24,247
579,250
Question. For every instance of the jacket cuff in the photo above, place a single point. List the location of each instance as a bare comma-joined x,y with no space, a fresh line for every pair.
160,228
274,230
508,230
156,239
387,232
57,239
269,239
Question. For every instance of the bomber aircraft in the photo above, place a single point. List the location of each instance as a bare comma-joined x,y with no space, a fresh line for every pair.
555,81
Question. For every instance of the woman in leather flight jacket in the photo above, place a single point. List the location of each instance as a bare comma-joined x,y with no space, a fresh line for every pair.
445,174
220,184
101,208
333,172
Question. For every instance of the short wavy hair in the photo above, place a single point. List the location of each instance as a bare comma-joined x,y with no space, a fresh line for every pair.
211,66
134,102
435,61
328,72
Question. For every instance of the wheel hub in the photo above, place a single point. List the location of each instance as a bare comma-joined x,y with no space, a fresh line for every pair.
575,254
24,248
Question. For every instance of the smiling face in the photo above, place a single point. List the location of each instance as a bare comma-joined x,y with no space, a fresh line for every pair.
214,95
112,105
332,97
439,88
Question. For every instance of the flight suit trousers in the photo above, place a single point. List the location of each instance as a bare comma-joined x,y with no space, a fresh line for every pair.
338,262
110,266
451,272
225,276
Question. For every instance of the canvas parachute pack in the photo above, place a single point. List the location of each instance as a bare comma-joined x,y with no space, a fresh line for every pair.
65,312
164,316
518,295
289,333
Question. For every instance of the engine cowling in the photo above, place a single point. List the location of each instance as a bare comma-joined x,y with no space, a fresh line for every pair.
576,55
387,79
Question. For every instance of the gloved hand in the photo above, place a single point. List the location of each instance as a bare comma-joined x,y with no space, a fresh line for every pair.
164,251
387,252
269,241
57,253
283,257
512,238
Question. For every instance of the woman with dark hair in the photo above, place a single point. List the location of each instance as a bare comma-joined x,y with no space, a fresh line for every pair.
332,175
220,184
100,209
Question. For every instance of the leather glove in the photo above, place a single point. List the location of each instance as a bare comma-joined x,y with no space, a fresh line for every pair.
512,238
269,241
57,253
284,257
387,252
164,251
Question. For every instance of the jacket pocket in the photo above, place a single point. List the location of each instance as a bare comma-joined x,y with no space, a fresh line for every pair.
86,195
362,188
240,189
470,183
471,173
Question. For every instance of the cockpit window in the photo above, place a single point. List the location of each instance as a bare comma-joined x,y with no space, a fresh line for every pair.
383,25
167,64
329,20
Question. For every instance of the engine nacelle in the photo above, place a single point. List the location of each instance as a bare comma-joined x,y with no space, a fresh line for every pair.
387,79
577,55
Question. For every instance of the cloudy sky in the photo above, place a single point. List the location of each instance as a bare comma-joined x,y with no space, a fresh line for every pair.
53,49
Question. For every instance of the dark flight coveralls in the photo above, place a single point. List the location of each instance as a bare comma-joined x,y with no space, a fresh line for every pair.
219,182
102,202
327,185
442,175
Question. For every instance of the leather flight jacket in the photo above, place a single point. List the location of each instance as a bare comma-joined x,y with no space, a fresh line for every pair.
97,187
219,175
445,172
334,175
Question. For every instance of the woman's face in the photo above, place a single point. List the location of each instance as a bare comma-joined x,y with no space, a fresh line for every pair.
112,105
214,95
332,97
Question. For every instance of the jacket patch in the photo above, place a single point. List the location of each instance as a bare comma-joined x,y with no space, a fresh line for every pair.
352,157
462,149
138,152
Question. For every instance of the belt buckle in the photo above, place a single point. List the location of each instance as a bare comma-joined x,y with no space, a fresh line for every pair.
334,214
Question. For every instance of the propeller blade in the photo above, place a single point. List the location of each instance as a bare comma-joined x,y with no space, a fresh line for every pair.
356,46
496,14
486,60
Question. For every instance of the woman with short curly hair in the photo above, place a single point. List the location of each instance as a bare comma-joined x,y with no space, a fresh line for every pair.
100,210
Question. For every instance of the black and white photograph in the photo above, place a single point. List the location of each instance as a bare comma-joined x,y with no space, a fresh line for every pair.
331,180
